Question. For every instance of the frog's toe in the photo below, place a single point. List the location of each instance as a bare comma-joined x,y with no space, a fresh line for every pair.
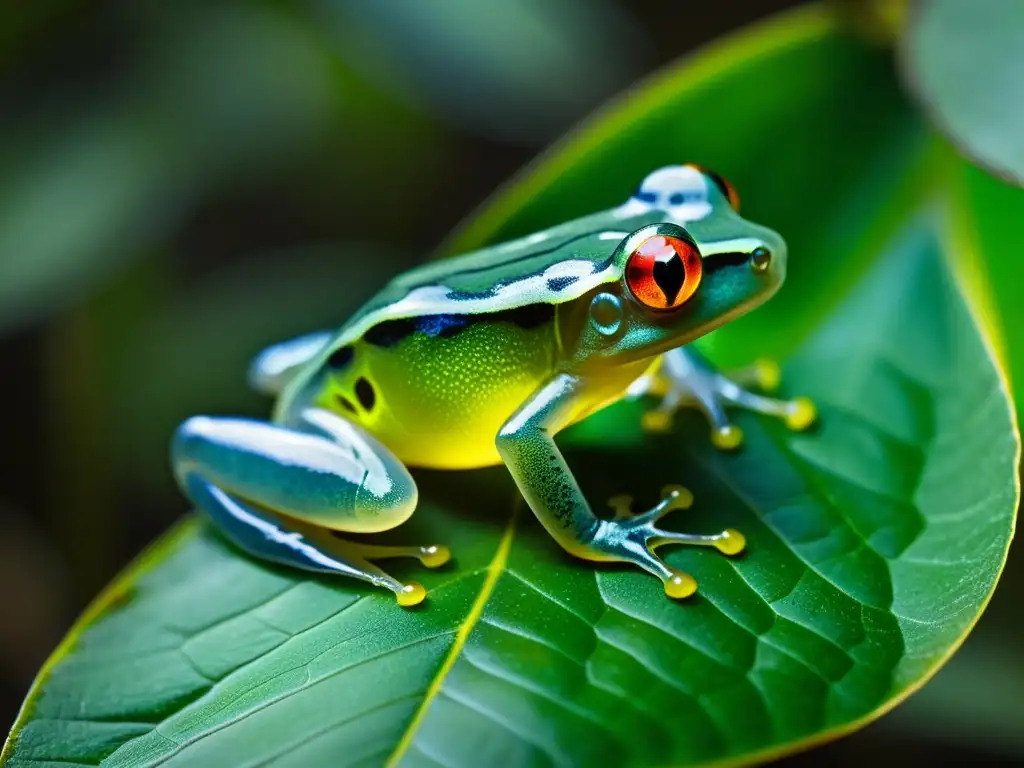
679,584
800,414
435,555
622,505
673,497
657,421
729,542
764,374
410,594
432,556
727,437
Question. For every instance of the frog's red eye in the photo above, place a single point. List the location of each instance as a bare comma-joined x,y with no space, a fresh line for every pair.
664,271
723,184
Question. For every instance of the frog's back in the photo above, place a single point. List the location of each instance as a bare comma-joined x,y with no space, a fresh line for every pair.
442,356
551,267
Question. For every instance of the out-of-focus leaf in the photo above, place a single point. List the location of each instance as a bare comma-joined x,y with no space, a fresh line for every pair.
515,70
876,20
965,64
192,356
223,94
76,207
874,542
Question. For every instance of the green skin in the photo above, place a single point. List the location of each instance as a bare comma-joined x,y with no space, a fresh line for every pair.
482,359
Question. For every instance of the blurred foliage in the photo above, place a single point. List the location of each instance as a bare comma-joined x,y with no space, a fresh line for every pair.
168,170
513,71
963,62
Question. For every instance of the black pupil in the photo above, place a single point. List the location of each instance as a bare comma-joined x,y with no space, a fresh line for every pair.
670,274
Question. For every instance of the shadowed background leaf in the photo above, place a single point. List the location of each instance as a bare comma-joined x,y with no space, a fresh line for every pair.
963,63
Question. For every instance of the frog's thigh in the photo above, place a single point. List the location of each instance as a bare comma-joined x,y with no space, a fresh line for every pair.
227,468
357,486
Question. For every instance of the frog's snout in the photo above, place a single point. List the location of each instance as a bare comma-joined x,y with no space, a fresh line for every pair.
769,259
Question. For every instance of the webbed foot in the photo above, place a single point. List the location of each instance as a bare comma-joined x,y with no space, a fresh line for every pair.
684,379
633,538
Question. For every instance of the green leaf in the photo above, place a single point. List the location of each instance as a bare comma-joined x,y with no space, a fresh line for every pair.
874,542
986,216
965,64
510,60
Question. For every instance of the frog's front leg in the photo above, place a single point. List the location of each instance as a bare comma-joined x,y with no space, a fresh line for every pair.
278,493
684,378
526,444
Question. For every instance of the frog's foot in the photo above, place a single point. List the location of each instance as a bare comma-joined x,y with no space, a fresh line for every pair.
684,380
360,555
633,538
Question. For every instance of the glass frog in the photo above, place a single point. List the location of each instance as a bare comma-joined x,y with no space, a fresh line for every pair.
482,359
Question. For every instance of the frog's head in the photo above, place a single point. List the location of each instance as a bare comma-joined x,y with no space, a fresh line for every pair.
694,265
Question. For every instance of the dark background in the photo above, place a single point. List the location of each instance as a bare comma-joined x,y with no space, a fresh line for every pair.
181,183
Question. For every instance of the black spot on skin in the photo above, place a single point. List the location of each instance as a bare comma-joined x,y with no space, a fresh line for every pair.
345,403
558,283
390,332
365,394
447,326
670,276
720,260
530,316
341,357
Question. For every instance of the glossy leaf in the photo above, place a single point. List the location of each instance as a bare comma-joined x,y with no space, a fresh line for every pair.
874,541
965,64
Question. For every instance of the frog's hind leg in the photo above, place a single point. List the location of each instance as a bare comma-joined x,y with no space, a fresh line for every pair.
277,493
684,378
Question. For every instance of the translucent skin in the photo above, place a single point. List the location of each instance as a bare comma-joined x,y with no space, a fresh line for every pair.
482,359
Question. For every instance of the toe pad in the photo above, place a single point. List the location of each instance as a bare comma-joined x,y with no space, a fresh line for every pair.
680,585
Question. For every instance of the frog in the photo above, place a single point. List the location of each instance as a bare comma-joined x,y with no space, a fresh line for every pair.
481,360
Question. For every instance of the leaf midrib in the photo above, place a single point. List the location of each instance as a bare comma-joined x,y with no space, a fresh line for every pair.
494,570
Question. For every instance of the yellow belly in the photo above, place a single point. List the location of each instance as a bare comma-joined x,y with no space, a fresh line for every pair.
440,402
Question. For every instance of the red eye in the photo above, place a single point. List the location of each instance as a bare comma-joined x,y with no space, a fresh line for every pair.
723,184
664,271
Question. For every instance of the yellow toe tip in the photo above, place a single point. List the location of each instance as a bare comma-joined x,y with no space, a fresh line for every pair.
769,375
680,585
731,542
801,415
727,438
656,421
411,594
683,496
435,556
